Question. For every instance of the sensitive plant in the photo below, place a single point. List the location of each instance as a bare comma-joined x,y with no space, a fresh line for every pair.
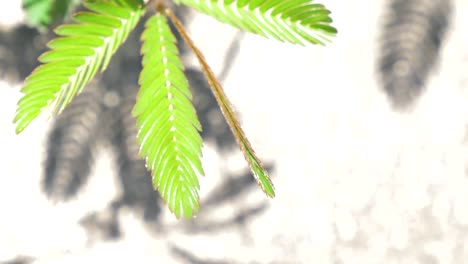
166,120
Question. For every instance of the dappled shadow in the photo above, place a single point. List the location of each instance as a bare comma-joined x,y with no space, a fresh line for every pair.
100,117
189,257
19,49
410,45
71,146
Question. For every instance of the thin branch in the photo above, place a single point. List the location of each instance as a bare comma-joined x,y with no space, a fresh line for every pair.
254,162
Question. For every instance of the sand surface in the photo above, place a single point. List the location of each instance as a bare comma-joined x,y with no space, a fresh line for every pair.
356,181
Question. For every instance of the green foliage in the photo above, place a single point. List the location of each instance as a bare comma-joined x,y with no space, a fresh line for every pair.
43,13
168,127
167,120
256,166
294,21
75,58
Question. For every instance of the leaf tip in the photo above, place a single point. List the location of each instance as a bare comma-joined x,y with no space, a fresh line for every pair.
18,130
270,192
20,124
268,188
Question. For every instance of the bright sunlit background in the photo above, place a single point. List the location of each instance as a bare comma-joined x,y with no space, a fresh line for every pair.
356,181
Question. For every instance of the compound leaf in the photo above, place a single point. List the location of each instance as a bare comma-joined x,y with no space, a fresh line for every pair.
259,172
75,57
294,21
167,122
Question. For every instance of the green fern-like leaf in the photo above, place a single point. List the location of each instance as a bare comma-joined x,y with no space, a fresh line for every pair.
294,21
76,57
259,172
168,125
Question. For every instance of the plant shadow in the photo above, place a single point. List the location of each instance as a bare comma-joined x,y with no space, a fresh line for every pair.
101,117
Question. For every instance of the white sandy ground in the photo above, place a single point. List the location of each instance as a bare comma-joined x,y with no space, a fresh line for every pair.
356,182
